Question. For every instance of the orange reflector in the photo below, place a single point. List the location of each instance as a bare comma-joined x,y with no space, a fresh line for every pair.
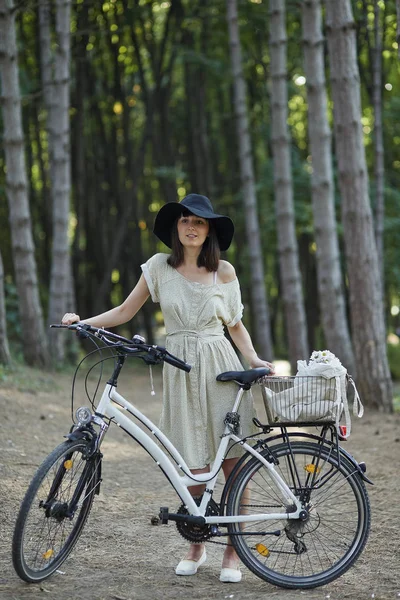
48,554
312,468
262,549
68,464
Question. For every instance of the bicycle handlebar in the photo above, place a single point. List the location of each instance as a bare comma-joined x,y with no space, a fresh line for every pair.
177,362
152,354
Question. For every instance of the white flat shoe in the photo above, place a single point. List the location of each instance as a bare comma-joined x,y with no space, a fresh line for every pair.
189,567
230,575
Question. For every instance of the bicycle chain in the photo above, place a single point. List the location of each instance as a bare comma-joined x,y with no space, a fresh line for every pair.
198,534
247,506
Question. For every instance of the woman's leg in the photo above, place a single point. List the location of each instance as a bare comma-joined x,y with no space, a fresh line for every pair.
231,559
196,550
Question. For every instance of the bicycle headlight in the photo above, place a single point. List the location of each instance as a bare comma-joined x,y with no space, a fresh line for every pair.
83,415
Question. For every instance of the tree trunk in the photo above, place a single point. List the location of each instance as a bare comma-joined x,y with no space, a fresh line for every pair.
198,151
34,339
122,227
44,207
80,174
330,287
259,300
366,307
71,343
310,286
5,357
295,318
55,81
200,91
379,167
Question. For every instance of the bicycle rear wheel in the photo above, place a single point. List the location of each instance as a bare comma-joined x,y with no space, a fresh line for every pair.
54,510
309,553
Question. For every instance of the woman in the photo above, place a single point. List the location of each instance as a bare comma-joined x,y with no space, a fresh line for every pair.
198,294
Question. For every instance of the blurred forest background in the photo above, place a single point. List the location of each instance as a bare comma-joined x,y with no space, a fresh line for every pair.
285,114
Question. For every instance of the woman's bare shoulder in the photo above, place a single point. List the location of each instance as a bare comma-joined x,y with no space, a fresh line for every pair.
226,271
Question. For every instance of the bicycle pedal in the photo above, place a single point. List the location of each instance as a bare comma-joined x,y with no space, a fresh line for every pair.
164,514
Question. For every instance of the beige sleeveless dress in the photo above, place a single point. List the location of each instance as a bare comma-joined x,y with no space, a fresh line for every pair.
195,404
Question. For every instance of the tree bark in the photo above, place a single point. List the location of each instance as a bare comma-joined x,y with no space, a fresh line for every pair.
200,90
55,80
379,168
294,312
310,286
34,339
259,300
44,202
196,131
79,171
5,357
366,307
330,287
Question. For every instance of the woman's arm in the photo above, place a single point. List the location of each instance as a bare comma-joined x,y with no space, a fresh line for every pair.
242,340
118,315
238,332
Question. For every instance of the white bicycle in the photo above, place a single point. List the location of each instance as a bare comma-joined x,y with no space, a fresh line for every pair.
295,508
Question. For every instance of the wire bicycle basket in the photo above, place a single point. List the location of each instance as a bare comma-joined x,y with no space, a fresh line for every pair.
302,400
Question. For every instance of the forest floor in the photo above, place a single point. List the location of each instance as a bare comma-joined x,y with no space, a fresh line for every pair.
121,555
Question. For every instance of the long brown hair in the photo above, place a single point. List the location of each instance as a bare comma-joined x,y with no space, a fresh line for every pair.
209,255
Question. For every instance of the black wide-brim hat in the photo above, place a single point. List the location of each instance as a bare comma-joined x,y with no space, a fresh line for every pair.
199,206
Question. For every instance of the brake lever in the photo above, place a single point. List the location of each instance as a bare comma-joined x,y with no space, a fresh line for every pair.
149,360
82,331
153,356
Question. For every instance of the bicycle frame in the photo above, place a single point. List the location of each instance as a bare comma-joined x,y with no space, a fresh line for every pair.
112,405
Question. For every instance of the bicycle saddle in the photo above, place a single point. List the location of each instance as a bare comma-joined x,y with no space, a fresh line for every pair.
244,377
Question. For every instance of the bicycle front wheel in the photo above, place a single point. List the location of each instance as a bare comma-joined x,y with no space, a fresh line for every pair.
54,510
292,553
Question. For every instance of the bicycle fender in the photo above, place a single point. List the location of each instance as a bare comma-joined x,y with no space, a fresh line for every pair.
79,435
99,478
361,467
87,436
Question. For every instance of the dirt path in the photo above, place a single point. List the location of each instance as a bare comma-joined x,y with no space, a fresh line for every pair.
120,555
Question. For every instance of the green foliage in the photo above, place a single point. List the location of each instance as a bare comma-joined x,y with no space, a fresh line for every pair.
394,360
396,396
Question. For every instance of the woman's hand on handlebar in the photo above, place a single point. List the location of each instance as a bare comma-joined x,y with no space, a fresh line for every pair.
263,363
70,318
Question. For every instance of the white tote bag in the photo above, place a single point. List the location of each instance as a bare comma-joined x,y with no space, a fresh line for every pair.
327,365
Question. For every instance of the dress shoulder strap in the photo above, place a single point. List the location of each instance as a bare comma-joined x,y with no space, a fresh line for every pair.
215,277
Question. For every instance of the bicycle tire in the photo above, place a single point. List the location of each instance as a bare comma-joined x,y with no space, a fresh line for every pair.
45,532
317,550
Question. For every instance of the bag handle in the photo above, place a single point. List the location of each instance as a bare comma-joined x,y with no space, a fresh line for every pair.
358,407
